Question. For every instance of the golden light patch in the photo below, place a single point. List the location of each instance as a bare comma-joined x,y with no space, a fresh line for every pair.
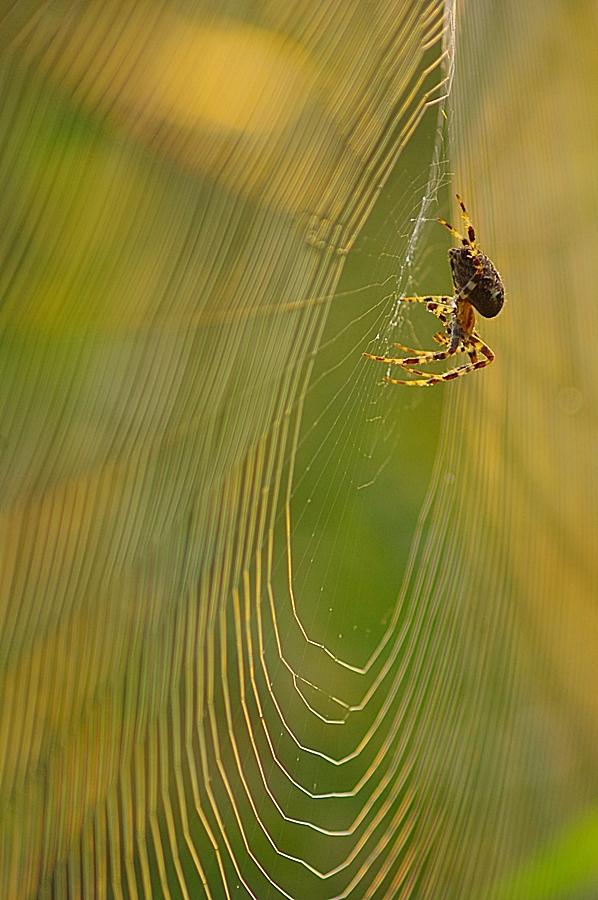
231,78
139,62
216,95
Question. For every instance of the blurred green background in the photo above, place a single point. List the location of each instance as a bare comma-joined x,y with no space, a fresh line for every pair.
272,628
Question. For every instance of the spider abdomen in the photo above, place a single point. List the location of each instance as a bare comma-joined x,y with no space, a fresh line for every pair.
488,295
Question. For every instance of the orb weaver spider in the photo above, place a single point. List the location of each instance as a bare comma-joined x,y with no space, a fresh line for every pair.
477,285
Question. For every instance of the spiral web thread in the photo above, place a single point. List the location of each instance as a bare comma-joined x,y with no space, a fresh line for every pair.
158,735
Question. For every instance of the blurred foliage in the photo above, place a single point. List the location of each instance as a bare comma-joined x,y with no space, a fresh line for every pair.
268,626
560,868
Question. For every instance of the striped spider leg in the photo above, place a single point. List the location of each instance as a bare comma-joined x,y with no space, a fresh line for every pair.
478,286
469,243
472,346
471,343
441,307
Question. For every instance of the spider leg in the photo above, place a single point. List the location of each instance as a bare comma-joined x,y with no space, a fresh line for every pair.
468,241
421,381
429,356
442,312
471,351
440,338
393,360
478,344
413,372
474,364
475,342
469,287
406,349
453,231
436,298
415,382
468,224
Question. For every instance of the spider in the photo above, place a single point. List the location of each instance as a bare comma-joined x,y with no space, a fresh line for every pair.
476,284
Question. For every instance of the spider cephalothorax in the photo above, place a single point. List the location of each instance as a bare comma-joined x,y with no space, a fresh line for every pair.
477,286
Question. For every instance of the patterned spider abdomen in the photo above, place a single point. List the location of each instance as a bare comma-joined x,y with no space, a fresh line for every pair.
488,295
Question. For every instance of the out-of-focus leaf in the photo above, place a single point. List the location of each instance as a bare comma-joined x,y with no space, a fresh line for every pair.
560,868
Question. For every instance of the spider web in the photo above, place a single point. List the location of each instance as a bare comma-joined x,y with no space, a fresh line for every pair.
224,672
